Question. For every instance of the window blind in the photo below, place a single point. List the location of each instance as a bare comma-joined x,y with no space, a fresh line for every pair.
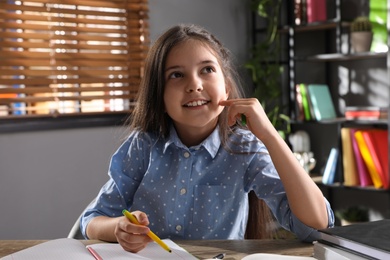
71,56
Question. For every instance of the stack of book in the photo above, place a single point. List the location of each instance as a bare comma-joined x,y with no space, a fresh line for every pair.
314,102
365,113
365,157
368,240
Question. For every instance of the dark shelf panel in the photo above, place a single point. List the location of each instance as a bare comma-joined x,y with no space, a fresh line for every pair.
353,188
342,120
315,26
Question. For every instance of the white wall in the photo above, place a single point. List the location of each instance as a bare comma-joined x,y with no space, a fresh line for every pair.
48,177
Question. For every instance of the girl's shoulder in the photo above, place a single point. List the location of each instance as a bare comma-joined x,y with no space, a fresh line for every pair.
244,140
243,134
140,136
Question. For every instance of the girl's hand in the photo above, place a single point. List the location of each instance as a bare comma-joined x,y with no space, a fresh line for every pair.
256,119
130,236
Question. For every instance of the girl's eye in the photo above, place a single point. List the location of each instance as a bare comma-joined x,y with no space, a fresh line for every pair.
175,75
208,70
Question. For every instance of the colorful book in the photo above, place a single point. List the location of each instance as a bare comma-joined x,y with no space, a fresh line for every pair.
364,175
298,98
377,143
365,113
330,167
316,10
321,101
305,102
366,155
351,177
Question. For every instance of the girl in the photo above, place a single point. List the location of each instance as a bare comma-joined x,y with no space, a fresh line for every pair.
187,167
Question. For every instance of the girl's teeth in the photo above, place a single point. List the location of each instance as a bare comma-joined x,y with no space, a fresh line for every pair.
196,103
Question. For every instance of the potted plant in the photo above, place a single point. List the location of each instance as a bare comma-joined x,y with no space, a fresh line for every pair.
361,34
353,214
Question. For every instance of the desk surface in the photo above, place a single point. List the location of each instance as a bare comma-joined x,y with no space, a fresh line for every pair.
234,249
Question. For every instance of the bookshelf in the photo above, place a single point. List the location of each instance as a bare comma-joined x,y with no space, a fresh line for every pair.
320,53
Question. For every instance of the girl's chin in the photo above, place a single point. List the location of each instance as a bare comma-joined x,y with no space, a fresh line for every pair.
194,123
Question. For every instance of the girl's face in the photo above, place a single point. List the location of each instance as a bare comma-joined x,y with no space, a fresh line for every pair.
194,85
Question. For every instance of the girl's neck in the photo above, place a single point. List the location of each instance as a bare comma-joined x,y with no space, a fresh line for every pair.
192,136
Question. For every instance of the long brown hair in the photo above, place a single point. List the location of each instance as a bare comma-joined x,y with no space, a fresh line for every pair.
149,113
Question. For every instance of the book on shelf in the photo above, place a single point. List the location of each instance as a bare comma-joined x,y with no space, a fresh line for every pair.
368,159
361,168
369,239
328,176
314,102
377,144
365,113
316,10
298,97
305,102
351,178
321,101
68,248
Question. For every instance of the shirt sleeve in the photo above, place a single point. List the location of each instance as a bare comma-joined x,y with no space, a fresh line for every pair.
126,170
264,180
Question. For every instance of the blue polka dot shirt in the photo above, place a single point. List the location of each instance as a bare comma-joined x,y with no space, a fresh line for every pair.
199,192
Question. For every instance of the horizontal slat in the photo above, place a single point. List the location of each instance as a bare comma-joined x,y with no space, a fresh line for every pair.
77,46
73,29
69,71
75,109
134,27
132,9
108,4
4,55
70,63
69,20
46,81
64,98
35,90
79,37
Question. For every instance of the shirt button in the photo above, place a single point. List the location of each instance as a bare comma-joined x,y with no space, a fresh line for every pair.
178,228
186,154
183,191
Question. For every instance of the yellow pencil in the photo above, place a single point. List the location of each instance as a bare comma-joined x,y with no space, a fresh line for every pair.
150,234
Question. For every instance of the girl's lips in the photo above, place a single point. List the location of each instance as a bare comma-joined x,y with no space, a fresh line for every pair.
196,103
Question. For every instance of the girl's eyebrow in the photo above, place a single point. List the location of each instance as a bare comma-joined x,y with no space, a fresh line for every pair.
200,63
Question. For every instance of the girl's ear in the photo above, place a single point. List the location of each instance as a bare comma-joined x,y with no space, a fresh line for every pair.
228,88
227,94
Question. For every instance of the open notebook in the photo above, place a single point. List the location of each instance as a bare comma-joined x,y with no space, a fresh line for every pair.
68,248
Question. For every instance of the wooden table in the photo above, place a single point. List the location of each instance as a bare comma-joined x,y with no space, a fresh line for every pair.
234,249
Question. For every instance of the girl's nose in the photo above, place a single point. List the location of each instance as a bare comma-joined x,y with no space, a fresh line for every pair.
195,84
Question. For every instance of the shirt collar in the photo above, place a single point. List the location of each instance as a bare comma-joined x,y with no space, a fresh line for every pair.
211,143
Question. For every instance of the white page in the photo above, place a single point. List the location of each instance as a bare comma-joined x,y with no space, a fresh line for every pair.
58,249
152,251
